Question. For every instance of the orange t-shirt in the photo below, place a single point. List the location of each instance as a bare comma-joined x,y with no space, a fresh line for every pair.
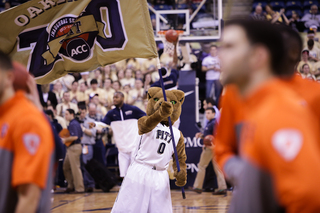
26,142
231,116
280,136
308,90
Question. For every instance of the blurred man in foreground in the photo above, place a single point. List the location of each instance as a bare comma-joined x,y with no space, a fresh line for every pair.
272,149
26,147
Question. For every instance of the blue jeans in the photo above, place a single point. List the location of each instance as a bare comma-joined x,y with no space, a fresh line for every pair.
87,179
217,90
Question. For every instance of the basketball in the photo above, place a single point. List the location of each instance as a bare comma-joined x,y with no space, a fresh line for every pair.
21,76
208,140
172,36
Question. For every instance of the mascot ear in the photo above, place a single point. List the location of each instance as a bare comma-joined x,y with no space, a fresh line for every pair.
179,94
152,91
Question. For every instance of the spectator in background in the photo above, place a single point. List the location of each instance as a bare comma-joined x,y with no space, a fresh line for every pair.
53,121
94,98
48,97
313,51
273,16
99,150
71,164
306,72
120,75
98,76
128,78
123,121
133,64
81,94
116,85
121,65
295,22
136,95
147,82
107,71
59,119
206,157
304,60
87,141
96,90
138,75
57,89
7,5
66,81
66,104
211,65
149,66
312,18
126,90
210,103
109,91
257,14
311,35
316,37
315,69
74,92
85,78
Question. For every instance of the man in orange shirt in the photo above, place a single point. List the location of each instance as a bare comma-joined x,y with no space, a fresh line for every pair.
231,103
26,149
279,134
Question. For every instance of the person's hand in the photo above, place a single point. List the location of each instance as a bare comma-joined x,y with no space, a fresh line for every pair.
33,94
282,11
199,135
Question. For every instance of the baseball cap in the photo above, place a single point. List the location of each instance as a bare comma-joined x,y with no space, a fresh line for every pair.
92,95
313,27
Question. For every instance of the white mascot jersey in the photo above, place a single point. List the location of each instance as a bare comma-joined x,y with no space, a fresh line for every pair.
155,148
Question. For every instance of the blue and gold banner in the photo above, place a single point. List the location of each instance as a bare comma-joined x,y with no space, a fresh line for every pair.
56,37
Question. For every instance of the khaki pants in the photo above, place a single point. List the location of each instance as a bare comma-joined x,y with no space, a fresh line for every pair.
205,158
71,168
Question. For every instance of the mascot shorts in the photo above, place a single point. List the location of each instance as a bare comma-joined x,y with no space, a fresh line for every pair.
124,159
144,190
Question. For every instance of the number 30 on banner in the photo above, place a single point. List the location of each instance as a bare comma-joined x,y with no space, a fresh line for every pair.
42,41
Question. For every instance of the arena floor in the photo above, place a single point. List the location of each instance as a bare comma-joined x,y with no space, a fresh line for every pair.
99,202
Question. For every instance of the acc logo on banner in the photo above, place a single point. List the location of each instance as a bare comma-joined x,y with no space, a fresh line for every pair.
73,37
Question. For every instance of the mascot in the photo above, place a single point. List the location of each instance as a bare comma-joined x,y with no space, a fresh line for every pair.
146,187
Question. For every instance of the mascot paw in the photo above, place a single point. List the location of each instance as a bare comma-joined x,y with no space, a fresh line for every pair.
181,178
166,109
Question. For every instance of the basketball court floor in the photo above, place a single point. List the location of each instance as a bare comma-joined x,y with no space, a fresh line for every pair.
99,202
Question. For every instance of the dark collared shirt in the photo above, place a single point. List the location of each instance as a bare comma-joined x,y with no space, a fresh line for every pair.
75,130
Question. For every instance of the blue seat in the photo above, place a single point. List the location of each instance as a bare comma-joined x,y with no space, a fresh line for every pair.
261,3
307,4
162,7
277,5
293,5
306,11
289,13
202,9
182,6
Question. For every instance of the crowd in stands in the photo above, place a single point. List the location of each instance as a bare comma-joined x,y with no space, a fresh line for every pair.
289,14
309,66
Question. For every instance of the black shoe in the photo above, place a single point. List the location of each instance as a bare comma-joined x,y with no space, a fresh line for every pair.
68,190
199,191
220,192
89,189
